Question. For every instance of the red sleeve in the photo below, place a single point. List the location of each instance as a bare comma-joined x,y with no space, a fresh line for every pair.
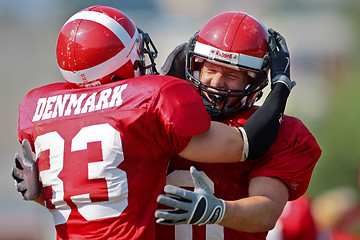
25,117
23,122
179,107
291,158
27,108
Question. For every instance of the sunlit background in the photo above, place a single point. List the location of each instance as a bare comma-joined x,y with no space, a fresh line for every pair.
322,37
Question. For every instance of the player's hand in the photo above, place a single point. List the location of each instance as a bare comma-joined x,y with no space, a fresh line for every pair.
198,207
280,59
175,63
26,174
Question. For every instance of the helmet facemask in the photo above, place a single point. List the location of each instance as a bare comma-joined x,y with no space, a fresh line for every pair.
148,48
221,102
144,51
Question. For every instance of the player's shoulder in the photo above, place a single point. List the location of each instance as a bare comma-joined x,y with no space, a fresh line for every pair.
293,134
288,123
46,90
157,81
291,124
287,119
165,87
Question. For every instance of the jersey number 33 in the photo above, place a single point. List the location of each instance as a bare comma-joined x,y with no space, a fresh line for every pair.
116,179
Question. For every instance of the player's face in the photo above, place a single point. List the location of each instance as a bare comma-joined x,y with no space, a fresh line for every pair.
224,77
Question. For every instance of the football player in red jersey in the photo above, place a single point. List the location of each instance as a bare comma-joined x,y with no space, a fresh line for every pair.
225,61
104,139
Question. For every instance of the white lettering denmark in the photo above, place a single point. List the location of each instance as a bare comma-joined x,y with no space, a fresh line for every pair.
73,104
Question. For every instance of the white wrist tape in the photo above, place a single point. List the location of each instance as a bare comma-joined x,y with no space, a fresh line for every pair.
284,80
245,152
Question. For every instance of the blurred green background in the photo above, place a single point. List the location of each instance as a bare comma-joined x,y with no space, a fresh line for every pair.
322,37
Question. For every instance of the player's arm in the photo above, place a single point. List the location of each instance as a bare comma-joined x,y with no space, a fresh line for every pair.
266,120
256,213
260,211
221,143
26,175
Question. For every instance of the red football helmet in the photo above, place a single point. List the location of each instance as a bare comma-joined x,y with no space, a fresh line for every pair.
235,40
101,44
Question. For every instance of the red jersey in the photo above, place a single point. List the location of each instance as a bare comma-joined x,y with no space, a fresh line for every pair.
291,158
104,150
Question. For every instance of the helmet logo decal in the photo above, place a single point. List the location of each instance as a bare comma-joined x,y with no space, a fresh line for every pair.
234,59
225,55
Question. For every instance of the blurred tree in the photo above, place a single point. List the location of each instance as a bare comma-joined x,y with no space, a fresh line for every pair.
339,133
339,140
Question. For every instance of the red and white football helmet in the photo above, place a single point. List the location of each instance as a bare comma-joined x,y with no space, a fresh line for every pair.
101,44
235,40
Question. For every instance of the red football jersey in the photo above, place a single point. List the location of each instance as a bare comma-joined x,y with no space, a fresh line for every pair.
104,150
291,158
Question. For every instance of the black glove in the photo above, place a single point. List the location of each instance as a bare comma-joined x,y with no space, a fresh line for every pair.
175,63
280,59
198,207
26,174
